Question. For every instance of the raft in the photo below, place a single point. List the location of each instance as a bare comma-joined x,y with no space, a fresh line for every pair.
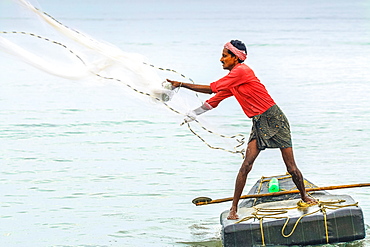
285,220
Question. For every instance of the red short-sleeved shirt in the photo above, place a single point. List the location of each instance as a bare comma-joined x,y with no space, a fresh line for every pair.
247,89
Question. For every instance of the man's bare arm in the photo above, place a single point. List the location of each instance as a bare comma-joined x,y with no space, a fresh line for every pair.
194,87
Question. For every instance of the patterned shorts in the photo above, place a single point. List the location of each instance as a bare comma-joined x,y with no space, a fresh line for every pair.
271,129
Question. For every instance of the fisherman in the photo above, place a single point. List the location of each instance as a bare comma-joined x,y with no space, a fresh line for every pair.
270,126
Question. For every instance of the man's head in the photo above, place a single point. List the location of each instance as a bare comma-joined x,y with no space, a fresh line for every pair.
234,52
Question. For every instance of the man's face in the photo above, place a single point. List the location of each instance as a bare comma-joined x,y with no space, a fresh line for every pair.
228,61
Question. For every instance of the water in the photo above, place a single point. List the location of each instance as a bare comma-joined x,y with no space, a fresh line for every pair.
84,164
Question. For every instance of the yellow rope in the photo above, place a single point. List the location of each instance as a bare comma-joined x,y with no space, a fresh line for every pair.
262,213
295,225
262,233
239,137
323,210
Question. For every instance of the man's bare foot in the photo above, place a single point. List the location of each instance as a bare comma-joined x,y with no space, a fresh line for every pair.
232,215
310,200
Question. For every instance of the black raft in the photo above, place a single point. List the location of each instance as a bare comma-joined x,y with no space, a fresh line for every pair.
285,220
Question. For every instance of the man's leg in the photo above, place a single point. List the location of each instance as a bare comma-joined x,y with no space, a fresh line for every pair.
297,177
251,154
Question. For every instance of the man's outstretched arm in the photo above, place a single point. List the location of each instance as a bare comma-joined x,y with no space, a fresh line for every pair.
194,87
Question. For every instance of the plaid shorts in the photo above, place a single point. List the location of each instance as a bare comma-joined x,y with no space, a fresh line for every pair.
271,129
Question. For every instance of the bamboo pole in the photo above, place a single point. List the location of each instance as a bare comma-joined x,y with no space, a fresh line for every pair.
335,187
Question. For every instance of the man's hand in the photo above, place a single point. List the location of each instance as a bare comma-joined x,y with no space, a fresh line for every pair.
174,83
190,116
194,87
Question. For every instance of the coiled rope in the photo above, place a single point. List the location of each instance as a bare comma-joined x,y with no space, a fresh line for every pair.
239,137
260,214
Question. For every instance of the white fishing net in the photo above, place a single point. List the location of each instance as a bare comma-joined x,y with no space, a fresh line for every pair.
75,55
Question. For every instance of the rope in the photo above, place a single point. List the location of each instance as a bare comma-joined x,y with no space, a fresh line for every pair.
174,71
240,141
235,151
273,213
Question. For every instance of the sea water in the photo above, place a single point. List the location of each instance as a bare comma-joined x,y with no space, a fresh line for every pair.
85,164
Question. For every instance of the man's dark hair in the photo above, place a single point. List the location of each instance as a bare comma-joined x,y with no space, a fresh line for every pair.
240,45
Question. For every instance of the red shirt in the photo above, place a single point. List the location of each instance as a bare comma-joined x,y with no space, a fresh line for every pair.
247,89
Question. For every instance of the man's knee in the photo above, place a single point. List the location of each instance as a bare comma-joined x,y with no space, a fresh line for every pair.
293,170
246,167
